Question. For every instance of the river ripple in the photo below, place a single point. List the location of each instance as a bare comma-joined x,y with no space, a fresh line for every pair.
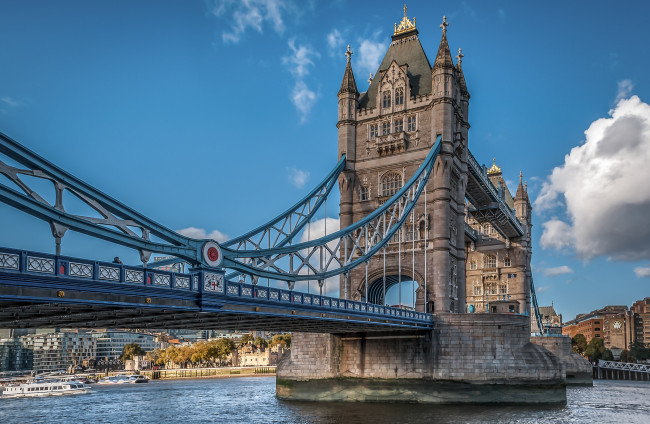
252,400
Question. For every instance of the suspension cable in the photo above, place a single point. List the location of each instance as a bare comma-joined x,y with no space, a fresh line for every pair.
426,232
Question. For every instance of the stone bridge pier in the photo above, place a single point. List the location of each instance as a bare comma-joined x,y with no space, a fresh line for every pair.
467,358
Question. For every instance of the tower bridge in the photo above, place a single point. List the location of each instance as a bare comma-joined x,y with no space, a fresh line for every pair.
415,206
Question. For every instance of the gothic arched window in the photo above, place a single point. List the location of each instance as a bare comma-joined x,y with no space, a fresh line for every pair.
399,96
390,183
386,98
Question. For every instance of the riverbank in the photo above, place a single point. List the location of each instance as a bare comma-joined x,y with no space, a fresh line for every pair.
194,373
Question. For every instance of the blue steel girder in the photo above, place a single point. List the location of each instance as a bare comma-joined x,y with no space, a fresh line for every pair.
339,252
538,316
113,213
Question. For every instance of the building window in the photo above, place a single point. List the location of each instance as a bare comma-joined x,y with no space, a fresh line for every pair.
385,128
492,288
390,183
411,234
399,125
477,290
374,131
399,96
489,261
364,193
506,262
386,99
503,289
472,265
411,124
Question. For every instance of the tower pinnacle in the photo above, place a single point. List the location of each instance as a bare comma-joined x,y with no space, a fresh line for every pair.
349,53
460,56
444,25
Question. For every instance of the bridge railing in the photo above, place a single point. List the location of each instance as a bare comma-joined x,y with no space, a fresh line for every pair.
206,281
625,366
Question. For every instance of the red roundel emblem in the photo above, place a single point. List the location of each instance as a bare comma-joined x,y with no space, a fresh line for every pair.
213,254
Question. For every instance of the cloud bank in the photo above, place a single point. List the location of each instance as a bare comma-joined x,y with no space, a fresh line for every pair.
558,270
602,188
200,233
297,177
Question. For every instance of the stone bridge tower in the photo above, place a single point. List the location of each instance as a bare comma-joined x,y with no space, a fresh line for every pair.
385,133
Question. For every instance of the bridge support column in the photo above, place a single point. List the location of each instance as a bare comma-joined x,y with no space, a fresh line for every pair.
468,358
579,371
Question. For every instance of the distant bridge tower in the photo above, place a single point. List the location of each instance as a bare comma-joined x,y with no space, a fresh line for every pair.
385,133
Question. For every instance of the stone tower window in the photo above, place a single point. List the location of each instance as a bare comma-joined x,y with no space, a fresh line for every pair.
364,193
374,131
385,128
411,123
503,288
489,261
477,289
399,125
390,183
506,262
399,96
472,265
386,98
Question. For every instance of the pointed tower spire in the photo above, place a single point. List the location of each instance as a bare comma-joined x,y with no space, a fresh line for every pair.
349,85
443,58
521,193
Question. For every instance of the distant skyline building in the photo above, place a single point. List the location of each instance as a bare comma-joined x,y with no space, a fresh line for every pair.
110,342
617,325
60,350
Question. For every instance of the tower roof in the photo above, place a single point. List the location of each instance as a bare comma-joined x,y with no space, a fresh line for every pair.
348,85
405,50
443,58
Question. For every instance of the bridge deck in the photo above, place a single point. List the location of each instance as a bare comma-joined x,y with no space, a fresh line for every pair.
40,290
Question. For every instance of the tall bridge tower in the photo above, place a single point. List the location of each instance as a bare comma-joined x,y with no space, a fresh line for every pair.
385,133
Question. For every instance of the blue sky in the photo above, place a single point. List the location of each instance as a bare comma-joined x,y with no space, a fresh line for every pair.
217,115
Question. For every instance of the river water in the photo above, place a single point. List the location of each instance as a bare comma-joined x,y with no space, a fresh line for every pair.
252,400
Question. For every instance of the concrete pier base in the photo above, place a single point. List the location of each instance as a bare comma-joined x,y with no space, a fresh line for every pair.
579,371
468,358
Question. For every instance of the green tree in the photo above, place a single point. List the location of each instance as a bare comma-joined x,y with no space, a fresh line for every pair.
626,357
223,348
248,338
261,342
639,352
281,339
579,344
608,355
595,349
131,350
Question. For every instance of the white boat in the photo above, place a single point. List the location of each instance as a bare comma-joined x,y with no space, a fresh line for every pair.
40,388
123,379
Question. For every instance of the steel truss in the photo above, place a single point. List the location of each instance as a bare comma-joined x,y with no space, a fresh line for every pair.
116,219
343,250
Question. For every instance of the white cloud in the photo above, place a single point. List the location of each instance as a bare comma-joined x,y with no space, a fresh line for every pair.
303,98
624,89
542,289
601,186
334,41
370,55
300,59
11,102
556,235
558,270
249,14
642,271
297,177
200,233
